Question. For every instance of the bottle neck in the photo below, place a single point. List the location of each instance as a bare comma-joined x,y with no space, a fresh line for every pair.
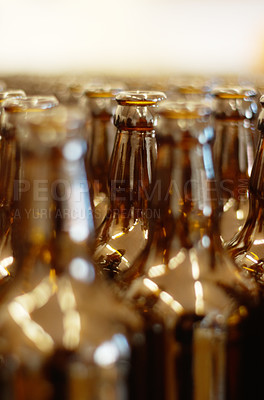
33,208
131,173
102,137
54,207
234,152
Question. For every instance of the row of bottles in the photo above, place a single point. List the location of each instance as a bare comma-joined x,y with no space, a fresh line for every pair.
126,220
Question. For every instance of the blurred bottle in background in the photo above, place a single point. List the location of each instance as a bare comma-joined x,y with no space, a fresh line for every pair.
6,181
184,279
100,107
246,247
12,179
234,149
63,334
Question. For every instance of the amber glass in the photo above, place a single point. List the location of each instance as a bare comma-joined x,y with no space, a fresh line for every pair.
11,174
63,335
124,232
184,277
101,106
12,93
247,246
4,163
5,262
234,152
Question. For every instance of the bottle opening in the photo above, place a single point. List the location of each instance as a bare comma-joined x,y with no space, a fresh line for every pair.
140,98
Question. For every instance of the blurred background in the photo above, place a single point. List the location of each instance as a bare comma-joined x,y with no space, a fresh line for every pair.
139,36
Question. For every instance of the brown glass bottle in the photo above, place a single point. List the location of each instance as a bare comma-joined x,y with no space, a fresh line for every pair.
4,184
101,105
124,232
11,173
184,277
63,334
247,246
4,153
234,151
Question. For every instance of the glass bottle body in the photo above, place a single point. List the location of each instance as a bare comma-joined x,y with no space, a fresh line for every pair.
11,172
124,232
184,276
57,341
101,107
7,175
234,151
247,246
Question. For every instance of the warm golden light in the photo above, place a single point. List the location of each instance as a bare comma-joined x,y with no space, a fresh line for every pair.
199,303
151,285
195,264
157,270
254,260
177,260
31,329
71,317
4,264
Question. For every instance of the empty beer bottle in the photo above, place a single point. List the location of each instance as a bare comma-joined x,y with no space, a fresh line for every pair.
183,276
63,334
124,232
234,151
101,105
4,184
246,247
11,175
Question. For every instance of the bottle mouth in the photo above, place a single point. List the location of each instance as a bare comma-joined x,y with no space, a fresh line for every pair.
234,92
140,98
193,90
14,94
104,91
30,104
51,127
182,109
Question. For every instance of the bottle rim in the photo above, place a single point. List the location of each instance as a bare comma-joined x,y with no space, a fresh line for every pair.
52,126
106,91
140,97
234,92
30,104
182,109
12,94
